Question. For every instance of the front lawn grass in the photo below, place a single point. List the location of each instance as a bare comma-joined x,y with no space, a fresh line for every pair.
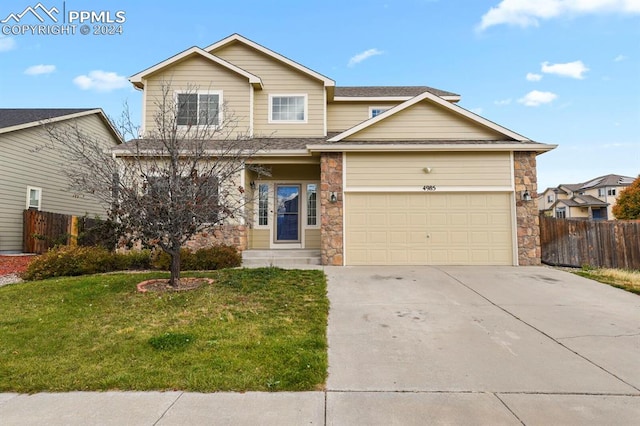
252,330
626,280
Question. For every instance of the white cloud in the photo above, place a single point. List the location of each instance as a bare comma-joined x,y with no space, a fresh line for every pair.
7,43
536,98
533,77
620,58
477,111
40,69
503,102
101,81
526,13
356,59
574,69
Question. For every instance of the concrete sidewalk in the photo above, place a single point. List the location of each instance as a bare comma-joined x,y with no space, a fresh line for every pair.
423,345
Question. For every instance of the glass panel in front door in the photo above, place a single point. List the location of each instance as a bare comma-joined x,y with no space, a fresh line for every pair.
287,215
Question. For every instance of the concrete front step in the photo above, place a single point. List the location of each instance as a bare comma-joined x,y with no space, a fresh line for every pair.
280,257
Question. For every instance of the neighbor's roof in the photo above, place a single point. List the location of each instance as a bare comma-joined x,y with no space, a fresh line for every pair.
10,117
607,180
390,92
583,201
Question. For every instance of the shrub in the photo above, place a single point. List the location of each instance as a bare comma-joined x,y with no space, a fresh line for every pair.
216,257
98,233
65,261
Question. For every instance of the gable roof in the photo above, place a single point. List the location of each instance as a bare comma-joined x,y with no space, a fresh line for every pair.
391,93
12,119
607,180
581,201
437,100
136,79
238,38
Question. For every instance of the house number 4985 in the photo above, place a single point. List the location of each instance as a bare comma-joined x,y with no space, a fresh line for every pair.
429,188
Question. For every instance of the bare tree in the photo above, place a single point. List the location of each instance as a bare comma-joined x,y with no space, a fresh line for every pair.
182,178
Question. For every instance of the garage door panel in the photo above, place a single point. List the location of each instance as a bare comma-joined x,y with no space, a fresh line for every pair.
428,228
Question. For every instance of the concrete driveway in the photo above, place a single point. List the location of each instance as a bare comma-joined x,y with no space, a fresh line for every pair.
423,346
483,345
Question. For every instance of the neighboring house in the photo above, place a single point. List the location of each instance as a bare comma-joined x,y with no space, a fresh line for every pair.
593,199
30,176
367,175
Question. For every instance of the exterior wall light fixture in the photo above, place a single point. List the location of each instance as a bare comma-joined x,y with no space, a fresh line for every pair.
526,196
333,198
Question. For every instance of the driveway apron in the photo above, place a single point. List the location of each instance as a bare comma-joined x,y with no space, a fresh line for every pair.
504,340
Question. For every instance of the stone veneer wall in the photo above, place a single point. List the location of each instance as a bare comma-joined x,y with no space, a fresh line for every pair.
332,227
232,235
528,222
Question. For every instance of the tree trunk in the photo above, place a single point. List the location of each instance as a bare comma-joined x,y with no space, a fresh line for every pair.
174,281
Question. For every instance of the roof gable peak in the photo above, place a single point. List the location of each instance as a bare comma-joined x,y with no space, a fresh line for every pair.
235,37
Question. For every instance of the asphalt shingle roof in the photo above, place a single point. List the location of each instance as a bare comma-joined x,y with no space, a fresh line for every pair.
15,116
387,91
287,144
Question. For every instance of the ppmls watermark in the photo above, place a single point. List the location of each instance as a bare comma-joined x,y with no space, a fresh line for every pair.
40,20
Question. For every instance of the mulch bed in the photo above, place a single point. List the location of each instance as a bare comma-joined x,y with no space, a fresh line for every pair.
162,285
14,264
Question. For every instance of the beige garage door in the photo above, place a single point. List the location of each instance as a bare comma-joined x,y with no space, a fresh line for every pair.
428,229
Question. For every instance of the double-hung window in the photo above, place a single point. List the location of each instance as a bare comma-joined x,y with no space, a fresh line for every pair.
199,109
287,108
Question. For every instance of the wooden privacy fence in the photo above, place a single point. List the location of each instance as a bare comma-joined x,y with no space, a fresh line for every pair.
605,244
43,230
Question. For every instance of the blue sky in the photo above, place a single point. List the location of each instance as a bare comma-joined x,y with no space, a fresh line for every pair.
563,72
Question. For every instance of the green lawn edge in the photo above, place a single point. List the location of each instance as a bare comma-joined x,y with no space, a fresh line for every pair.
260,329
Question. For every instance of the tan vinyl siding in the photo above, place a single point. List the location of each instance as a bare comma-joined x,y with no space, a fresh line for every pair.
312,238
425,120
22,166
280,79
198,73
344,115
259,239
447,169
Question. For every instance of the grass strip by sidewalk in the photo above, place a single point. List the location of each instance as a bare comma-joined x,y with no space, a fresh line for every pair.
626,280
252,330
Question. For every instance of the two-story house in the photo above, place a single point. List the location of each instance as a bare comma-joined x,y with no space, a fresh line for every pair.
593,199
366,175
31,177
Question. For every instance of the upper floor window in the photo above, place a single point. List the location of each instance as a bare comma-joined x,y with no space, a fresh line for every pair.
199,109
34,198
612,191
549,198
287,108
375,111
601,192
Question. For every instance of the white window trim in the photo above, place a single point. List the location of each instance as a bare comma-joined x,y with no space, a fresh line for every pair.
201,92
39,190
278,95
371,108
